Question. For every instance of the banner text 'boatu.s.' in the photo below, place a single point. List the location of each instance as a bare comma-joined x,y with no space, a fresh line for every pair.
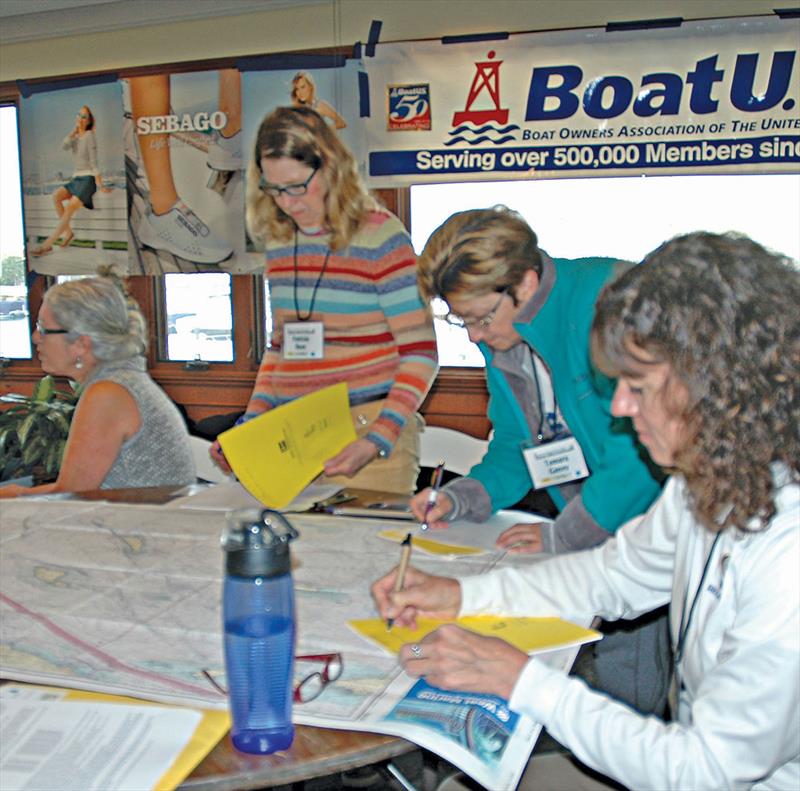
713,96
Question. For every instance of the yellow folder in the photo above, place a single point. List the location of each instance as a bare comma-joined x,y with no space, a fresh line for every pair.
531,635
277,454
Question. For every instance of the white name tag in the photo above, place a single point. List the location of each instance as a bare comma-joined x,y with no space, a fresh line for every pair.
303,340
555,462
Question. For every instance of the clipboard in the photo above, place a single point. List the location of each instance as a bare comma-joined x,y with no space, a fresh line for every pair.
364,504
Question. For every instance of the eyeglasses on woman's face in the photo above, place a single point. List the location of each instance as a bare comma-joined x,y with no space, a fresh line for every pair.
84,116
294,190
45,331
481,323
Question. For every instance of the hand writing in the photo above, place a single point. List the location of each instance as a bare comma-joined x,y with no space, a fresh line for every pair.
423,594
443,506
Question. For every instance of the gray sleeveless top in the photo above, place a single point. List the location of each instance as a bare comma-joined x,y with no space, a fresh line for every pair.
159,453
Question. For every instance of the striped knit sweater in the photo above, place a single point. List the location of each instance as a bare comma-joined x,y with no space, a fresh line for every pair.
379,335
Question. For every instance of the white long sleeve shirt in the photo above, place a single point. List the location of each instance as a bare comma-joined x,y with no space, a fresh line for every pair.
84,153
738,706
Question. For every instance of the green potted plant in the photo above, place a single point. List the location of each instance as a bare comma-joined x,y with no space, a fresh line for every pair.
34,430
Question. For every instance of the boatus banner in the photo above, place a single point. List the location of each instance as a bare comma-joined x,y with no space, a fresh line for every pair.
715,96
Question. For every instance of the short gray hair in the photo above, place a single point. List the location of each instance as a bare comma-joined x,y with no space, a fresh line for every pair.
98,308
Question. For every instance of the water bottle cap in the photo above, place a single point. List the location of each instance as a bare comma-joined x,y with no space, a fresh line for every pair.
257,543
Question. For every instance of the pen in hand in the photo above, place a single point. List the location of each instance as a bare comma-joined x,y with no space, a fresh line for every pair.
399,581
436,483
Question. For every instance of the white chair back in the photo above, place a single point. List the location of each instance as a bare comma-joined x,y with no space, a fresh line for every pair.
206,469
460,452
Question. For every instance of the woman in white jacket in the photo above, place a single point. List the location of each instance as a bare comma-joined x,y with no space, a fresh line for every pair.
704,337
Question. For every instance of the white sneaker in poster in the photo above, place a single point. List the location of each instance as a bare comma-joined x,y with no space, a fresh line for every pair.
225,153
181,232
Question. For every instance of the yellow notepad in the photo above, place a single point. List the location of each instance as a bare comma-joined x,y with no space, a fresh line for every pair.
277,454
532,635
430,545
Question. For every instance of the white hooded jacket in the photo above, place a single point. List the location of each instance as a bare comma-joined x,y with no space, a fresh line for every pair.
738,682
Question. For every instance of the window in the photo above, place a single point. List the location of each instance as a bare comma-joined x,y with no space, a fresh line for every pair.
15,332
199,317
617,217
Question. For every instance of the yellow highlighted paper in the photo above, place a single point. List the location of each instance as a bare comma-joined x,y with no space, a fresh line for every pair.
531,635
277,454
430,545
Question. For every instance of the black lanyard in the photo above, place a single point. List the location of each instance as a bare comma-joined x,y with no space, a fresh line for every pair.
316,285
542,415
684,627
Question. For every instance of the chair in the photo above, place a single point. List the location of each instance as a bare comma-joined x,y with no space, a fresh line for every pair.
459,451
206,469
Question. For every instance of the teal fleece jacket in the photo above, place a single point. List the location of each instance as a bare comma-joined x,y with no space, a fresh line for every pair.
556,324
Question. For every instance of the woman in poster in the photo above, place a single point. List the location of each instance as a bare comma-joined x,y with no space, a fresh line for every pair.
78,192
304,94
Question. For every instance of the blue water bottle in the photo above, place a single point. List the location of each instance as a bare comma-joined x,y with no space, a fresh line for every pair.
259,621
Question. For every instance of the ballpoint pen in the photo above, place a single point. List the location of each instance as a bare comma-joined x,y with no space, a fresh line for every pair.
436,483
399,580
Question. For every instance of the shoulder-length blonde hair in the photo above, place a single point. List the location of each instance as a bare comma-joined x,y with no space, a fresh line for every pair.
302,134
721,311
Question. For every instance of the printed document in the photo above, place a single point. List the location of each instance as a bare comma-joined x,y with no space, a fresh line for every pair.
53,741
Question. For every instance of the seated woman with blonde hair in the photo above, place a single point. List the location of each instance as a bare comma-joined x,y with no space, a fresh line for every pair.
125,431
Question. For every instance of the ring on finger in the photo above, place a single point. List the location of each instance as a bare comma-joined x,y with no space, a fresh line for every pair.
416,650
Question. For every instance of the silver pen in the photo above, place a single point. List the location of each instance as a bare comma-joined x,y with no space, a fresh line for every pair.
436,485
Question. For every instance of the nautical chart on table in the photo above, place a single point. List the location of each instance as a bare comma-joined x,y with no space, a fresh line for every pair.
126,599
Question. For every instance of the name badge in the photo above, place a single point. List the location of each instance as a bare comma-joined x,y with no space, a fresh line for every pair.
303,340
555,462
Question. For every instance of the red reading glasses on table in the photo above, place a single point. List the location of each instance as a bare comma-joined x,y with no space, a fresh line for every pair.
313,684
310,686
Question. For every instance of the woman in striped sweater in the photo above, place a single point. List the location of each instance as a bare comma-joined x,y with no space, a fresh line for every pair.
344,298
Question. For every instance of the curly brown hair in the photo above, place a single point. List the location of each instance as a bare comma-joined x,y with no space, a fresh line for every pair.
302,134
722,311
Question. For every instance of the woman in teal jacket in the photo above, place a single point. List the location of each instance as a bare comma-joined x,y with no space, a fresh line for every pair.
531,316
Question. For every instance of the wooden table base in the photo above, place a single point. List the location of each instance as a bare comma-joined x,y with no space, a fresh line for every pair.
316,752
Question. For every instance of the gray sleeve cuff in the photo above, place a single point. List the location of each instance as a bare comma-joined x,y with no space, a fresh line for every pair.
574,529
470,500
